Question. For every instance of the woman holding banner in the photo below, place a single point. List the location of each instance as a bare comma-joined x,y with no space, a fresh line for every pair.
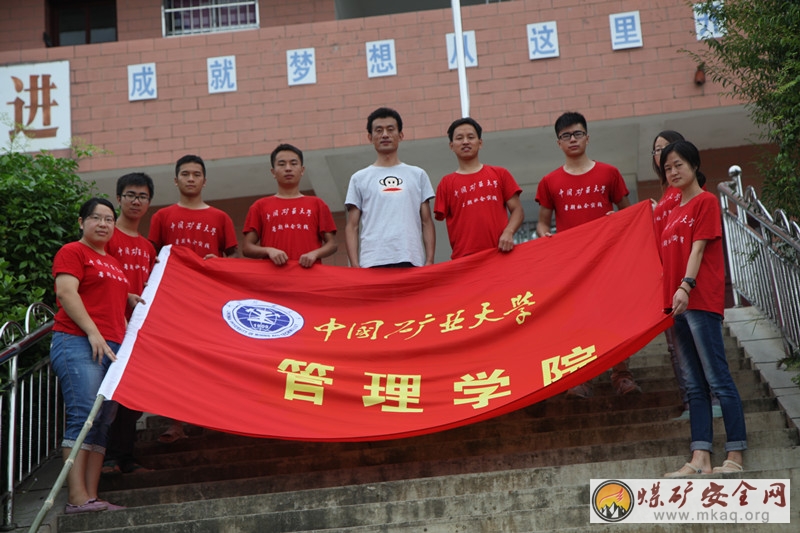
694,291
670,197
92,293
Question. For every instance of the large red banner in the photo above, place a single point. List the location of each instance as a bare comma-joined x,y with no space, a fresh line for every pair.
333,353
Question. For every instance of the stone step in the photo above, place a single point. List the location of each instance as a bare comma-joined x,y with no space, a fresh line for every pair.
348,468
441,501
757,461
522,435
554,414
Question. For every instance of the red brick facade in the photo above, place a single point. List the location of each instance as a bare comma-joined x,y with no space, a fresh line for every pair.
508,91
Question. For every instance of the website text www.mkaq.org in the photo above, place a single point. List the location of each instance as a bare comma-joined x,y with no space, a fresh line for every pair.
712,515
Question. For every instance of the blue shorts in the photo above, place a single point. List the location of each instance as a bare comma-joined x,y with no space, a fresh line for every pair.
79,378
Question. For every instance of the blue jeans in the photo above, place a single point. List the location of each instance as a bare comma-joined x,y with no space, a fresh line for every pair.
701,349
79,378
669,334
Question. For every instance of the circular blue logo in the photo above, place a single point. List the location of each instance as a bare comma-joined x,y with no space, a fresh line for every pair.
261,320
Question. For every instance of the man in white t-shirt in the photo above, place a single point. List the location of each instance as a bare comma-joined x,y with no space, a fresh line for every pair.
389,201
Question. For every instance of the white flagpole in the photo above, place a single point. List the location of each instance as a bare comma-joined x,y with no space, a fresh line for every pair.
462,69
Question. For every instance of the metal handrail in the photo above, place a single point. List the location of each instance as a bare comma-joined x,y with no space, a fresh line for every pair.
30,403
764,256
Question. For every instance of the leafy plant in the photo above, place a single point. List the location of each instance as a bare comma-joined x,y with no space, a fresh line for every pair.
40,196
758,61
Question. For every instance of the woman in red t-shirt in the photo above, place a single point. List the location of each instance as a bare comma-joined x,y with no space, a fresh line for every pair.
670,197
92,293
694,290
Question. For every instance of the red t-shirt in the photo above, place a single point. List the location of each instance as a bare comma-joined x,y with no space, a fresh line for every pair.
206,231
294,225
699,219
577,199
474,206
669,200
137,256
103,288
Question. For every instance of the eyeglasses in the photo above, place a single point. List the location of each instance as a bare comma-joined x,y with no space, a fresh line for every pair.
130,196
656,151
98,219
567,134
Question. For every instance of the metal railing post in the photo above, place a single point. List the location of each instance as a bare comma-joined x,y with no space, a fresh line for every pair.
17,340
763,252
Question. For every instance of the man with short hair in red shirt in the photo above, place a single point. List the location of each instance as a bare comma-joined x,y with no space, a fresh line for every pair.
580,191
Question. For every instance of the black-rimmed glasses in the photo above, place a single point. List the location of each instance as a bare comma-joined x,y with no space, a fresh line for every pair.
567,134
130,196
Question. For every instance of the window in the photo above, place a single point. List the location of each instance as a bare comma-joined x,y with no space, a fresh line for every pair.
189,17
82,22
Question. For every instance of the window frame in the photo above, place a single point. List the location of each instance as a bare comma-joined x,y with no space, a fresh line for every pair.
213,10
54,8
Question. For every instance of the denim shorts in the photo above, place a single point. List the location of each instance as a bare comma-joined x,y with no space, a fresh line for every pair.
80,377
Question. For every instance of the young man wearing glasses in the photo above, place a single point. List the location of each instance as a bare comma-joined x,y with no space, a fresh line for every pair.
137,255
580,191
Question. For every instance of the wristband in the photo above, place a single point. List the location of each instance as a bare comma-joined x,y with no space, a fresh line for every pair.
681,287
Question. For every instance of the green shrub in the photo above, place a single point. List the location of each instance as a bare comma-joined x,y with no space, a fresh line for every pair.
40,196
758,61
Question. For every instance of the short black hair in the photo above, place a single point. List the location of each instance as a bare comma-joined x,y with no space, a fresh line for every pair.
460,122
568,119
135,179
189,158
384,112
88,207
285,147
689,153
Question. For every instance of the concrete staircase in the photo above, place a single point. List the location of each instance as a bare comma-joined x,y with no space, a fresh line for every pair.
525,471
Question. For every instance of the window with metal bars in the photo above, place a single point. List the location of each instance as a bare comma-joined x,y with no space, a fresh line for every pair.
190,17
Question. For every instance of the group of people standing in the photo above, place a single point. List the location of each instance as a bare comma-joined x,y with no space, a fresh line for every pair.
389,224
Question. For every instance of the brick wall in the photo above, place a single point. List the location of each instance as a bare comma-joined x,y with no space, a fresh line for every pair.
287,12
508,90
138,19
22,24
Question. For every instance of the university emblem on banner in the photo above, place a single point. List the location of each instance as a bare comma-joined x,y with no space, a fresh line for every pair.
261,320
612,501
